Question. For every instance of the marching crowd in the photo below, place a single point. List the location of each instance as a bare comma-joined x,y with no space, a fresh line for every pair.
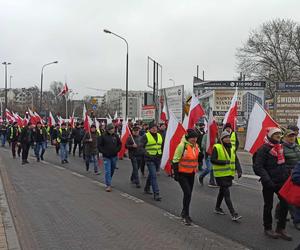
276,160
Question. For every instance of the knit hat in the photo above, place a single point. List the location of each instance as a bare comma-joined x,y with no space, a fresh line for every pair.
93,126
191,133
110,126
272,131
293,128
224,134
289,132
152,125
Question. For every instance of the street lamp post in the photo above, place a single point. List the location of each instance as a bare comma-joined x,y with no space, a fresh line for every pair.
172,81
10,77
5,65
126,106
42,76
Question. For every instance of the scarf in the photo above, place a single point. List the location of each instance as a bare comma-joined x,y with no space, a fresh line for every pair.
277,150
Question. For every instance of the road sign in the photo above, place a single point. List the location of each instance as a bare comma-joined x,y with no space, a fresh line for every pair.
288,86
94,107
94,101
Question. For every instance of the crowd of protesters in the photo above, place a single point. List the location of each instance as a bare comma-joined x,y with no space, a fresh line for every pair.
276,160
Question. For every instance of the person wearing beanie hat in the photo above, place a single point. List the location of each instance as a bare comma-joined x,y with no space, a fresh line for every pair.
90,140
233,136
78,134
26,139
136,153
291,151
40,139
153,144
185,165
225,165
63,137
109,144
296,130
269,165
13,137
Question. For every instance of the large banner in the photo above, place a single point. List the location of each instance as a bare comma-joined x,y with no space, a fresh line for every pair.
246,101
287,108
173,98
148,113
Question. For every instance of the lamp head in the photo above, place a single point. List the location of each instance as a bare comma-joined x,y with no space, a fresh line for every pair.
107,31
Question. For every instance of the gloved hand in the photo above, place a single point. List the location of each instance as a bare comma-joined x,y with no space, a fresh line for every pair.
176,175
239,173
175,170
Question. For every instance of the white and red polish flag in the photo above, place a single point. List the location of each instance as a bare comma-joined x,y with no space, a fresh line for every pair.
64,90
124,136
38,118
231,115
32,118
195,113
72,120
164,113
18,119
259,123
51,120
87,120
174,134
9,116
212,133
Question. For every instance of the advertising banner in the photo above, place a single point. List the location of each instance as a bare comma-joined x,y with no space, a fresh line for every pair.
173,98
148,112
246,101
287,108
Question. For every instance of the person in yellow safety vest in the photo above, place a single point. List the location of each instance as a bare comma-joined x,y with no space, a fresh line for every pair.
14,133
295,129
233,137
223,159
152,141
185,165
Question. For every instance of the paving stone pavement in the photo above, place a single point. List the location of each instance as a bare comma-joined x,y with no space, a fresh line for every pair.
68,211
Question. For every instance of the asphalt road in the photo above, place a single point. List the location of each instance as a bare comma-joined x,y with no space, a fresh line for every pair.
246,197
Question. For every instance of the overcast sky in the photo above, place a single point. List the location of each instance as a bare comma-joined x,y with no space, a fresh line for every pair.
179,34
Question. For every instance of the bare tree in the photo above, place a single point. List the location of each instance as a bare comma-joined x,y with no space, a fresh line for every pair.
271,53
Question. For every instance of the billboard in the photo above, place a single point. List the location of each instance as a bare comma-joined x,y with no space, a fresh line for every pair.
173,98
247,85
246,100
287,107
148,112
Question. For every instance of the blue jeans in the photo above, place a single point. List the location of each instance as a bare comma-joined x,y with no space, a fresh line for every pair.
296,214
152,165
136,164
38,147
64,150
109,167
208,170
3,139
91,158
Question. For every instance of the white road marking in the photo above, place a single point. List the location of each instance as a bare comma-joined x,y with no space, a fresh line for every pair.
99,183
78,175
130,197
251,176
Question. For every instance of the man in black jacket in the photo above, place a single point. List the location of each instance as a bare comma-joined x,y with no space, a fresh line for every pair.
40,138
26,139
77,135
136,154
109,144
13,136
269,164
63,139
